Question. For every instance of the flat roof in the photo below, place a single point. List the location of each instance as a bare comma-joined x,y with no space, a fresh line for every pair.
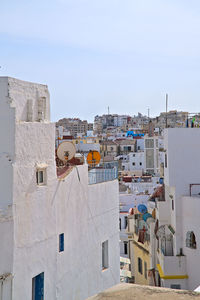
125,291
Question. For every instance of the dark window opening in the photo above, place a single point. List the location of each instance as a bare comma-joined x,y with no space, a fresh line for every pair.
120,223
145,270
140,265
105,255
165,160
125,247
191,240
61,242
126,221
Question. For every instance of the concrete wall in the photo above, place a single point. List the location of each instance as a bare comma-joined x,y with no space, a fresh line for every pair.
20,92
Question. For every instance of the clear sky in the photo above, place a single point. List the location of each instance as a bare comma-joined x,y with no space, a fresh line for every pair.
125,54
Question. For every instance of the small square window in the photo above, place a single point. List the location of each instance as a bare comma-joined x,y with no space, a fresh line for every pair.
40,177
105,255
133,163
61,242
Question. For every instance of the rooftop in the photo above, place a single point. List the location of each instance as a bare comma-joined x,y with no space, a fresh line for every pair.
126,291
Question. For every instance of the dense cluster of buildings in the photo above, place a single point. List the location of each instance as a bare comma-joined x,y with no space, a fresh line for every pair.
153,245
75,126
61,221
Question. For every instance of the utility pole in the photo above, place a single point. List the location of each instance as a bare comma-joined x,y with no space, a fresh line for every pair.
166,108
108,110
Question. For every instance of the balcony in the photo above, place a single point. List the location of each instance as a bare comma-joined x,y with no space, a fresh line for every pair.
103,172
172,267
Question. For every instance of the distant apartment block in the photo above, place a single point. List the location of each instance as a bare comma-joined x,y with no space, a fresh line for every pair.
75,126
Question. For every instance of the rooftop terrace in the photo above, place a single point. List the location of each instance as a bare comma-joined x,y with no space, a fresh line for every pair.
126,291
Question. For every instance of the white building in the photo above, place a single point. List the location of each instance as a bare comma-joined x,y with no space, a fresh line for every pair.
140,144
134,162
59,236
178,216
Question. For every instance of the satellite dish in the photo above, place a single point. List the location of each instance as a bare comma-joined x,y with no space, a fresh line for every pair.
93,158
66,151
146,216
142,208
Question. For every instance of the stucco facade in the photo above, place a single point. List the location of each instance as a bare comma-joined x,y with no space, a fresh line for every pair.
32,216
178,214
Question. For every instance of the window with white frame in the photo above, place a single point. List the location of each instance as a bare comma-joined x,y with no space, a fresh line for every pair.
105,255
41,176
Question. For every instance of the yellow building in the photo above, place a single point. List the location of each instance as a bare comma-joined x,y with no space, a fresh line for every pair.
139,249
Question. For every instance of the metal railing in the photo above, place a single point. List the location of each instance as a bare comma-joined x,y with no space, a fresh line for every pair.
103,172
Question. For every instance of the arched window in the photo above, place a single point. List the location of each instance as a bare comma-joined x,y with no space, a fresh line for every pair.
191,240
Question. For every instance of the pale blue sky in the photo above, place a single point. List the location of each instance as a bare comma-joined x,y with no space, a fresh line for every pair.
93,53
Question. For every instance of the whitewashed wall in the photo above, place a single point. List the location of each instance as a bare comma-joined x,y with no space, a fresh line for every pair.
34,216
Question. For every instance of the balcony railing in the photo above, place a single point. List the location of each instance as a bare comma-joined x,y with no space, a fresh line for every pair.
102,173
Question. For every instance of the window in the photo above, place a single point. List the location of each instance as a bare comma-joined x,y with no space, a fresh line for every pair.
175,286
165,160
133,163
140,164
41,176
138,148
133,155
120,223
125,221
191,240
139,265
38,287
61,242
125,247
145,270
105,255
